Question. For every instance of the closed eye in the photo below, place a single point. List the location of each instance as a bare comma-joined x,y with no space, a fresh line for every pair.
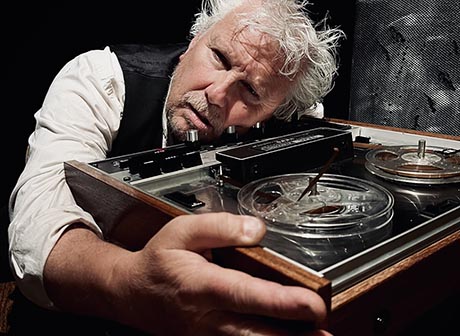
250,89
221,59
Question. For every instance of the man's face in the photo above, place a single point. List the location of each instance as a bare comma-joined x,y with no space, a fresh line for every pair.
225,78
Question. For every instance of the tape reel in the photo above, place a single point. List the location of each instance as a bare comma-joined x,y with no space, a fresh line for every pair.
415,164
342,216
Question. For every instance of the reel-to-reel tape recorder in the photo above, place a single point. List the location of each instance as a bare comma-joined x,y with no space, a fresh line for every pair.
386,195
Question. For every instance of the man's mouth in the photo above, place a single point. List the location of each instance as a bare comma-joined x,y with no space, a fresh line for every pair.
198,119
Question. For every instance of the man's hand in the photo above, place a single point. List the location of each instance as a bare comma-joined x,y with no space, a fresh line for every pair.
172,288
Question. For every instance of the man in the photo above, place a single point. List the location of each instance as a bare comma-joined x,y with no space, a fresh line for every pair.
248,61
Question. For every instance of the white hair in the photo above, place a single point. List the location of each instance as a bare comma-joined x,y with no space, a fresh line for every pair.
309,50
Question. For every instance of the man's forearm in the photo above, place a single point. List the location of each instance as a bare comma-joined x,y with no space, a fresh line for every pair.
77,274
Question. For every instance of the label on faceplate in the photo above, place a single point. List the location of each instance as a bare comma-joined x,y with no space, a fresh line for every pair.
286,142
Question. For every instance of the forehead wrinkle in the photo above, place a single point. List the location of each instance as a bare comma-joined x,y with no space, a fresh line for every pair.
261,51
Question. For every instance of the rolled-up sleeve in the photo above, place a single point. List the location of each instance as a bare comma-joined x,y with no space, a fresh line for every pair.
79,120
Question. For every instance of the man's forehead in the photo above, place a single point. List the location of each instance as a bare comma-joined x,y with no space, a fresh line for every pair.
259,46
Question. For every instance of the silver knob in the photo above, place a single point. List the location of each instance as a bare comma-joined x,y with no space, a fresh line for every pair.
231,130
192,135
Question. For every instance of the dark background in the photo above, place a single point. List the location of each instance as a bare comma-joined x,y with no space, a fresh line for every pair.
38,41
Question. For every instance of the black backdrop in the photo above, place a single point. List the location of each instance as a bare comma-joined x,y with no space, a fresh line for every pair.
39,40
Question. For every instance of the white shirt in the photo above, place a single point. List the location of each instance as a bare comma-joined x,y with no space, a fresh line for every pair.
89,91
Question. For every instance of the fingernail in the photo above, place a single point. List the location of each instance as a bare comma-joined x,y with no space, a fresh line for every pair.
252,227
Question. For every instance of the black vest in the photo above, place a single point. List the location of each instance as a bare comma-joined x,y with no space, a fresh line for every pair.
147,71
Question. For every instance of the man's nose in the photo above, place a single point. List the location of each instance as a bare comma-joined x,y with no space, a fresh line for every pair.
220,91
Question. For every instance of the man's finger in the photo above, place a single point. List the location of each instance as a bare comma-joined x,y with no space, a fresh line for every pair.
226,323
232,290
212,230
